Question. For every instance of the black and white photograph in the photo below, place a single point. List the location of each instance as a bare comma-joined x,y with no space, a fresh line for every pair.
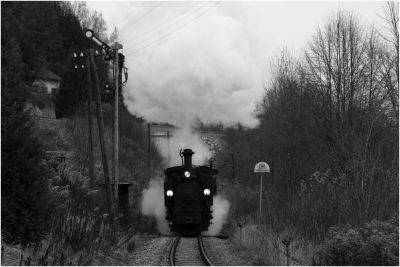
200,133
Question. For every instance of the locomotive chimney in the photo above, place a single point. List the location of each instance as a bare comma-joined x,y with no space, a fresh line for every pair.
187,154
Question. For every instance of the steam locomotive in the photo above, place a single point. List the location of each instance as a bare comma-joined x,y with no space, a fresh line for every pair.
188,196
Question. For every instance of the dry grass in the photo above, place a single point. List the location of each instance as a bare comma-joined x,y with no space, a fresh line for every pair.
80,234
267,248
50,253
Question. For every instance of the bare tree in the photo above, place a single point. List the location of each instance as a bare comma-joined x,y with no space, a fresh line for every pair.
336,69
347,70
90,19
114,36
389,69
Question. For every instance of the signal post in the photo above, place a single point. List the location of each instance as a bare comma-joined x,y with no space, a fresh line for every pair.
116,47
110,54
261,167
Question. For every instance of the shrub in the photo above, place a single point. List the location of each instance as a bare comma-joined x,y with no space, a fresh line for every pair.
25,196
79,226
376,243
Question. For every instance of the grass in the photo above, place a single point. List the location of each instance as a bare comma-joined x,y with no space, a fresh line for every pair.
48,254
76,240
80,232
266,247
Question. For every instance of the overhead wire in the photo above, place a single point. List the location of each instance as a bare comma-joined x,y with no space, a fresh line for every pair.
141,17
175,30
157,28
129,14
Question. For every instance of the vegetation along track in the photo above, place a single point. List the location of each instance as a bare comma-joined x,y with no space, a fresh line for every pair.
188,252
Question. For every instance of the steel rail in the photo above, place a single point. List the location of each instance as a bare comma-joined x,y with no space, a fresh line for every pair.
203,253
173,250
204,257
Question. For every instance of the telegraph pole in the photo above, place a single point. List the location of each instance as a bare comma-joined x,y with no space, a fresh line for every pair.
100,124
110,53
116,123
80,63
149,150
91,152
169,150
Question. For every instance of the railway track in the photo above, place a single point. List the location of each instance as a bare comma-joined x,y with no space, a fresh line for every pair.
188,252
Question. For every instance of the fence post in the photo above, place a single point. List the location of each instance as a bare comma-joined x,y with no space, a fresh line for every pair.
288,254
287,241
240,225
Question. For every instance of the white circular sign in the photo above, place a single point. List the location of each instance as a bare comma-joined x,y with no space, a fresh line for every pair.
261,167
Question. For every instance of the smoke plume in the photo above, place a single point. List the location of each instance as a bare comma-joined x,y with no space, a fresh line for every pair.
181,139
220,210
153,204
202,73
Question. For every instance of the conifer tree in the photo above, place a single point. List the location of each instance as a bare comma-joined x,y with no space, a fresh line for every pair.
25,197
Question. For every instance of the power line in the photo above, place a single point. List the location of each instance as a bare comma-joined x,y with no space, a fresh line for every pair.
167,27
155,30
141,17
177,29
129,14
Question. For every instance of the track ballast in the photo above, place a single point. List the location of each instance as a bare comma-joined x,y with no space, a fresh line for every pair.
188,251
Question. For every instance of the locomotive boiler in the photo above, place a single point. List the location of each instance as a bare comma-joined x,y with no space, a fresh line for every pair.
188,196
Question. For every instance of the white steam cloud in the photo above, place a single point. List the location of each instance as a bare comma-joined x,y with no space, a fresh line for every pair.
202,73
181,139
220,210
153,205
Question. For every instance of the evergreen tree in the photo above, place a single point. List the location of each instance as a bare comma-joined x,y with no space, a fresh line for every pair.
25,198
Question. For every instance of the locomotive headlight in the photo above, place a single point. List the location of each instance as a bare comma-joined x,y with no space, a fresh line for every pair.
187,174
206,192
170,193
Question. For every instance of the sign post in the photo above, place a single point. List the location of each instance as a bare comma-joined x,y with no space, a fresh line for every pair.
261,167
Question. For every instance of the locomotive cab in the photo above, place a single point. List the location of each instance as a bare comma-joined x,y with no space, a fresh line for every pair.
188,196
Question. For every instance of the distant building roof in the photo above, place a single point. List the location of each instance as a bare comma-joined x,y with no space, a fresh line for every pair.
47,74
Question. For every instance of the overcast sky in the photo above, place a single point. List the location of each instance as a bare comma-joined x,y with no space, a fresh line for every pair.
210,60
286,23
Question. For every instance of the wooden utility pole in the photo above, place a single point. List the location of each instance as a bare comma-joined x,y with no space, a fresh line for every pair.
100,124
91,152
116,124
233,168
168,149
149,150
81,61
